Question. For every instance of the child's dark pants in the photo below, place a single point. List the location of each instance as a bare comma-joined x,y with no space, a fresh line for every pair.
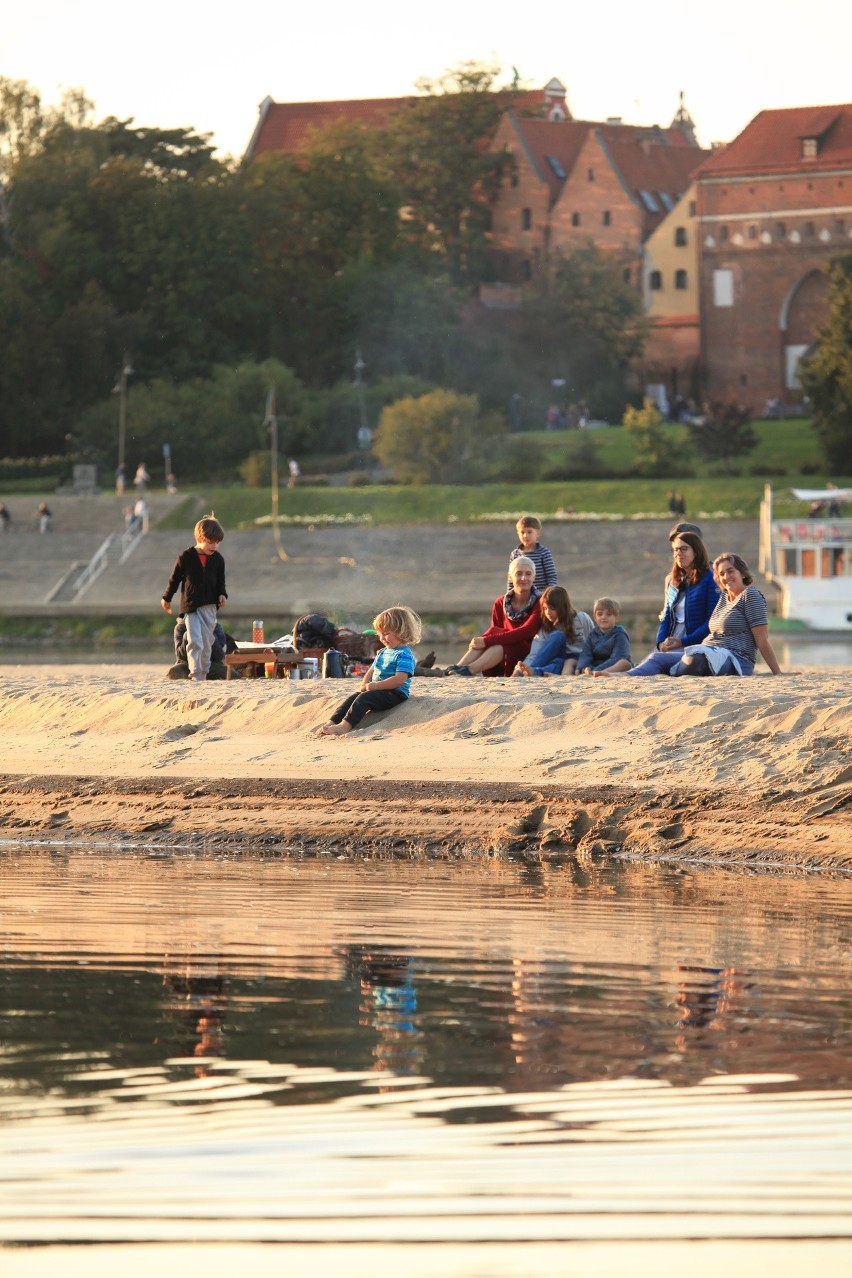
355,707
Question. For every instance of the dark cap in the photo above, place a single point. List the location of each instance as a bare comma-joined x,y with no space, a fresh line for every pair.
682,528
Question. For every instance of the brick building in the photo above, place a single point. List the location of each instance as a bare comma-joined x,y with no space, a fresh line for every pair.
578,182
772,207
670,295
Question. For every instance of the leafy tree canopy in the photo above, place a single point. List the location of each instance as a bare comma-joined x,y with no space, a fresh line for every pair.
827,375
437,150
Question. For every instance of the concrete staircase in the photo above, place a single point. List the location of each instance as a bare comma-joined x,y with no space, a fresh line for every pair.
80,576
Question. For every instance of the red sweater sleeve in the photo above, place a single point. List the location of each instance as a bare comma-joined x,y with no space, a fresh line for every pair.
501,627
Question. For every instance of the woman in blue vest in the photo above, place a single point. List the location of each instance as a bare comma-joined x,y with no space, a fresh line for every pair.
691,596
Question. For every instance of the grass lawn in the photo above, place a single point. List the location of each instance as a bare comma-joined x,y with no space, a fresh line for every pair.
783,445
788,444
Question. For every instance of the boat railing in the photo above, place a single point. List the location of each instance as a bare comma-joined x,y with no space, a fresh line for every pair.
812,532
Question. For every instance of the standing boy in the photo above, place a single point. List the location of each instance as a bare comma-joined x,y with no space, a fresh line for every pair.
201,570
607,649
528,529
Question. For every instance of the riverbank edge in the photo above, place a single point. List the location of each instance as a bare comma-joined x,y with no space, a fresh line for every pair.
771,831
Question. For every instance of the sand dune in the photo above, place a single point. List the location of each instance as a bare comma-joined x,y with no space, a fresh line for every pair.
772,752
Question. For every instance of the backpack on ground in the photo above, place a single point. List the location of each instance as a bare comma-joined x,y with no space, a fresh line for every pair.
313,631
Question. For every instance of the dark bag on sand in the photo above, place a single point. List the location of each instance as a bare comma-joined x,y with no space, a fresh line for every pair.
313,631
356,646
332,664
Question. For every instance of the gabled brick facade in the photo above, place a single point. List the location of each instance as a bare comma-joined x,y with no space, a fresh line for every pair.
772,207
578,182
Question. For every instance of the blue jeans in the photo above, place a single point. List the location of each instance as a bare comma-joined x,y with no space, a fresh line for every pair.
355,707
671,663
549,654
657,663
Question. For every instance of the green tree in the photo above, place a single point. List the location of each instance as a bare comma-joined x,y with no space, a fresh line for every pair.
435,438
407,323
212,424
113,238
320,220
723,432
585,325
827,375
337,409
436,150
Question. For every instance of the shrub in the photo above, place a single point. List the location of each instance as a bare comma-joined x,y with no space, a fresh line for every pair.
256,470
656,451
518,459
436,438
724,432
46,468
766,469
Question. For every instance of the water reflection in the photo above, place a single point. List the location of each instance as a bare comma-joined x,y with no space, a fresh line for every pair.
380,1050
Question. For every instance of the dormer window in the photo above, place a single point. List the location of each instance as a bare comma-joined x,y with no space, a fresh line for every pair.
810,148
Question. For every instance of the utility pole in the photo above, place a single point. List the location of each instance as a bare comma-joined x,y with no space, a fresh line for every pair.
271,423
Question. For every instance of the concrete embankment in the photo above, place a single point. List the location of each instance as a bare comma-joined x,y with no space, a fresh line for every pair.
347,571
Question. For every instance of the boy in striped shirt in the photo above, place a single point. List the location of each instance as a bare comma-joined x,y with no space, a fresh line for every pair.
529,530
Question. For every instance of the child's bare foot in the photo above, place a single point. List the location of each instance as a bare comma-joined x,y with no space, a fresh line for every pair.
335,729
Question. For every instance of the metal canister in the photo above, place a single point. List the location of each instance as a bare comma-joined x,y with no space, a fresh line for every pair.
257,632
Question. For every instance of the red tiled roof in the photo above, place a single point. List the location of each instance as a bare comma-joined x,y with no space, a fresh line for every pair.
644,158
772,142
286,126
561,139
655,167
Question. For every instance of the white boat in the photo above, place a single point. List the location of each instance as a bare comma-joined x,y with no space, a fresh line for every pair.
809,558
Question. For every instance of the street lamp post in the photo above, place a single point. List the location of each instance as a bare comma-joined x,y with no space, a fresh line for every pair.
365,435
121,388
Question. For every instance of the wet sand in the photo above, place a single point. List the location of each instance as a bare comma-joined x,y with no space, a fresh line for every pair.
752,772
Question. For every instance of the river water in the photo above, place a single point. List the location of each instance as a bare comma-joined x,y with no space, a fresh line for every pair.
455,1069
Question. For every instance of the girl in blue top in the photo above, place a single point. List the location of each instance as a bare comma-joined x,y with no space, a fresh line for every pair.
563,633
388,681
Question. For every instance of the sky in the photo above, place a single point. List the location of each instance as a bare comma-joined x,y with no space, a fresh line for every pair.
169,63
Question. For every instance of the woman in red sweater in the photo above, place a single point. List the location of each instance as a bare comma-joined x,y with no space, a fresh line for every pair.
515,621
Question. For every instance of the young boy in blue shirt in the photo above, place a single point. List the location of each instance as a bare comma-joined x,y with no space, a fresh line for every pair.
388,681
607,649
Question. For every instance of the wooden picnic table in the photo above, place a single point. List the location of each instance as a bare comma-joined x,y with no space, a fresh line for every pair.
251,655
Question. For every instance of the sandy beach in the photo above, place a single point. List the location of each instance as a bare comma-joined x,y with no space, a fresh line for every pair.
751,771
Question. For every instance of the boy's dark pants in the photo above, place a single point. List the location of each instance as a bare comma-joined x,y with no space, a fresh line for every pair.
355,707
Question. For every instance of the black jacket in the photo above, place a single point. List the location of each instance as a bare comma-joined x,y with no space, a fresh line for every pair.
200,585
